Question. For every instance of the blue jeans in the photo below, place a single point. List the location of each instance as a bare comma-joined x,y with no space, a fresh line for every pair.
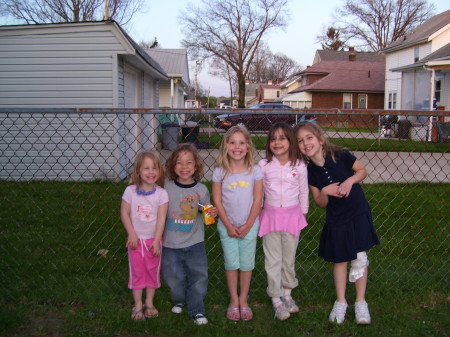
185,271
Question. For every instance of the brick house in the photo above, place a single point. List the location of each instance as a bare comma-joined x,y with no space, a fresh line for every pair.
343,80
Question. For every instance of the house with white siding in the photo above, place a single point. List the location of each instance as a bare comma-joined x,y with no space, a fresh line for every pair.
172,92
418,67
76,65
265,93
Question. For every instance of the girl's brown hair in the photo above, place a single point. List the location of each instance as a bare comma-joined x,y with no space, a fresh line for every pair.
172,161
317,131
135,178
223,160
290,135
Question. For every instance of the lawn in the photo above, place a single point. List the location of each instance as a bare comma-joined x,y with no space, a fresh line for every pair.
353,144
54,282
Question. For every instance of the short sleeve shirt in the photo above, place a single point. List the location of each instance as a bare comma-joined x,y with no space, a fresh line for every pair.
331,172
237,193
144,210
184,223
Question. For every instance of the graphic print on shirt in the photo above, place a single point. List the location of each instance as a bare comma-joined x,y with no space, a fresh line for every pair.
144,212
183,220
236,184
293,173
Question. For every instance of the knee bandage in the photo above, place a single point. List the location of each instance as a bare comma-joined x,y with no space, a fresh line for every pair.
358,266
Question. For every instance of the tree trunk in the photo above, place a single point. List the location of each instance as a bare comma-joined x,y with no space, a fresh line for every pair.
241,90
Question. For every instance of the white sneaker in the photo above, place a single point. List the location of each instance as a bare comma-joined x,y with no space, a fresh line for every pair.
200,319
177,308
338,312
362,312
281,312
290,304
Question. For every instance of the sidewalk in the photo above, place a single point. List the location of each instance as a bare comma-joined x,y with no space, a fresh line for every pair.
328,134
382,167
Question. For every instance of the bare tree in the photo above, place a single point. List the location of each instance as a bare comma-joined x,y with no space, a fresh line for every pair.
267,66
331,39
232,31
259,66
374,24
149,44
222,69
54,11
282,67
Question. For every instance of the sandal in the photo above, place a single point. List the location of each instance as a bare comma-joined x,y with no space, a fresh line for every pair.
137,315
233,314
246,314
150,312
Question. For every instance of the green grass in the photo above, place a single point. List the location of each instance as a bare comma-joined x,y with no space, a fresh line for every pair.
53,282
353,144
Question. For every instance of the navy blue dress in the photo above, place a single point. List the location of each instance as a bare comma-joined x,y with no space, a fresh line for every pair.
348,227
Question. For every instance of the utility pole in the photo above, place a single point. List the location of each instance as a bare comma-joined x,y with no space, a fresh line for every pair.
106,14
197,63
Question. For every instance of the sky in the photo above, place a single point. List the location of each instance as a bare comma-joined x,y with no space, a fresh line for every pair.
307,20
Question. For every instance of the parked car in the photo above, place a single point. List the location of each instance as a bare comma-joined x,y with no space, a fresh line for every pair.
261,121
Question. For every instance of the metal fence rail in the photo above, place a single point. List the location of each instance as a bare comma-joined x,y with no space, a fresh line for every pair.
63,171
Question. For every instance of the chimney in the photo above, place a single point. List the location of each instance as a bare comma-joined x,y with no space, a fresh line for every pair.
351,55
269,82
247,82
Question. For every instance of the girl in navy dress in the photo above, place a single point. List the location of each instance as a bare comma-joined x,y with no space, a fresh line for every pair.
333,177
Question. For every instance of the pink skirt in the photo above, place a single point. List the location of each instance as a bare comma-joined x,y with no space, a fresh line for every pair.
287,219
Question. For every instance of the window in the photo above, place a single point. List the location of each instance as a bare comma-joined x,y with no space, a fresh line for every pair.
304,80
416,54
278,93
437,92
362,101
347,101
392,101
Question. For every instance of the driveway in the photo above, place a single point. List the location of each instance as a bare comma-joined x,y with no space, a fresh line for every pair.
382,167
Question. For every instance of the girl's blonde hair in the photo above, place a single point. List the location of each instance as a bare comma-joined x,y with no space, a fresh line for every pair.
290,135
172,161
223,160
317,131
135,178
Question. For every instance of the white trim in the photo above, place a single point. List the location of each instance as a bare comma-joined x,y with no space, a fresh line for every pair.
439,32
437,63
343,100
115,81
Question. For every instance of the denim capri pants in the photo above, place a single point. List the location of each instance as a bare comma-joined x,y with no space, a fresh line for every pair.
239,253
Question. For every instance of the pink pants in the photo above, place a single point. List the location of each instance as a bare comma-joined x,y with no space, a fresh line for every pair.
144,267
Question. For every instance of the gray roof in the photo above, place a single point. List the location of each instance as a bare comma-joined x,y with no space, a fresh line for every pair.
440,54
173,61
421,33
338,55
141,52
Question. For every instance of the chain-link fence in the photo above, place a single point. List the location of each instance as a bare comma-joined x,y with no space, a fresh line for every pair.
63,173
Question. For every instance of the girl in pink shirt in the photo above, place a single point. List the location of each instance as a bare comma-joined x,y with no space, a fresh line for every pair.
143,214
286,203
